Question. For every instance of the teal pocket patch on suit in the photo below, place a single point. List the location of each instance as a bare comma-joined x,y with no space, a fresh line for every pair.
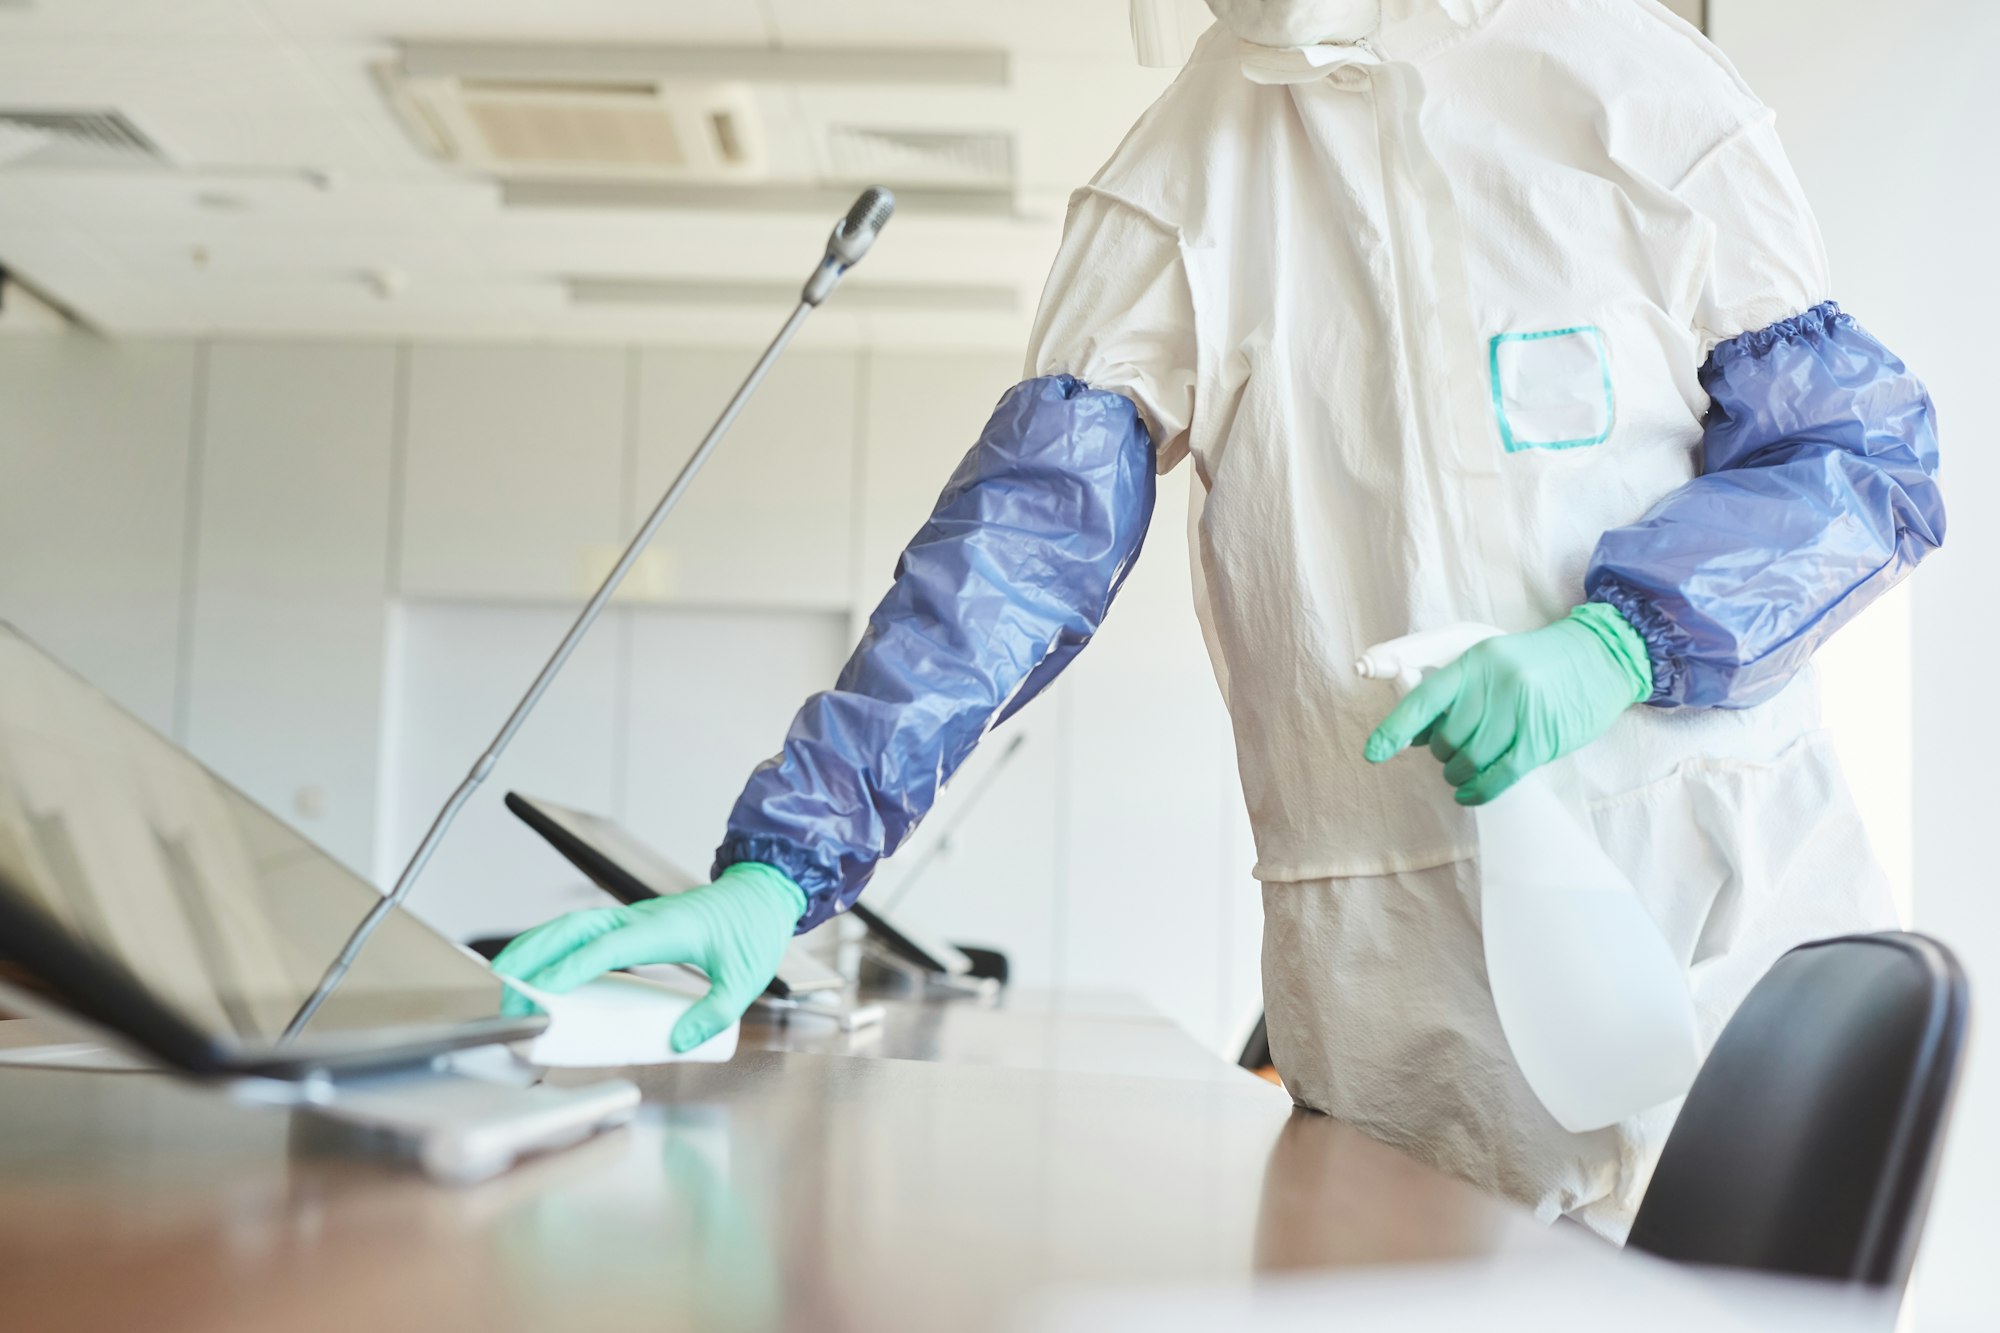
1552,390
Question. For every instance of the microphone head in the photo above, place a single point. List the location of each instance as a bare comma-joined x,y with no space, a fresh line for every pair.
856,232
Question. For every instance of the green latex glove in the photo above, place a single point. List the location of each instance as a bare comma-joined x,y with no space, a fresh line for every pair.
735,929
1512,704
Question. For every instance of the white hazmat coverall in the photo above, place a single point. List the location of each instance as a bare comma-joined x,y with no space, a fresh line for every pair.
1422,290
1460,310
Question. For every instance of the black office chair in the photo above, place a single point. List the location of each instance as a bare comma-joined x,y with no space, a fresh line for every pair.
1810,1140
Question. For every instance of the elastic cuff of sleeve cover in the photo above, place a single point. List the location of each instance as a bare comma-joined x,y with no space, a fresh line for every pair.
1657,635
817,885
1817,322
1625,644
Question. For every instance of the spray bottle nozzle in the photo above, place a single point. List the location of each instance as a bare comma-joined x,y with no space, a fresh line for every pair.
1405,660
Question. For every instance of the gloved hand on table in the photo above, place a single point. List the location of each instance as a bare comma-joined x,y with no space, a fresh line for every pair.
1516,702
735,929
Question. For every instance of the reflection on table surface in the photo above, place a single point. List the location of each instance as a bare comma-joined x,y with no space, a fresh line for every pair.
1567,1288
781,1191
1084,1032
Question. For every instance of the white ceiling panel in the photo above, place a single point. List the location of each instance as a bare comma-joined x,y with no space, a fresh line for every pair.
281,201
345,70
25,201
265,253
723,247
245,76
567,20
344,303
213,138
294,181
1065,117
81,275
638,243
39,245
1100,28
134,20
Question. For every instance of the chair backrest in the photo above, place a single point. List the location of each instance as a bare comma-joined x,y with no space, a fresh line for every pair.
1809,1141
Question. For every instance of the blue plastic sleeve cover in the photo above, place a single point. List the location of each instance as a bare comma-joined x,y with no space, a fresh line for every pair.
1021,558
1818,494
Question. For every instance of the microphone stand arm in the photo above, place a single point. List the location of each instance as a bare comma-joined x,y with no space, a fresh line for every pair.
822,282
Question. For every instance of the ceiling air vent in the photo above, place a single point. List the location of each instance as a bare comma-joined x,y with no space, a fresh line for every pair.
921,157
79,138
584,129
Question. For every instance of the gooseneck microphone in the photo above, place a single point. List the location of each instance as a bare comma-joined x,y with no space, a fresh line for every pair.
852,238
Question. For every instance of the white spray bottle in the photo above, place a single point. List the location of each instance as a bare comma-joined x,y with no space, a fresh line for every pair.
1592,1000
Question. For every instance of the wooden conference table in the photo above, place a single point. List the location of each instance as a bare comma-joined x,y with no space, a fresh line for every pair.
928,1174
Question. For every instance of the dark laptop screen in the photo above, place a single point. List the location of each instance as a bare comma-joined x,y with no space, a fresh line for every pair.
215,906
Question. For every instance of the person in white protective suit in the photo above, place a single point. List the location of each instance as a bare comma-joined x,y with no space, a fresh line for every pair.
1507,311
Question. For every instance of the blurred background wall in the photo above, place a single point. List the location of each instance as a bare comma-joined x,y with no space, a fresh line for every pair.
341,433
1889,117
330,568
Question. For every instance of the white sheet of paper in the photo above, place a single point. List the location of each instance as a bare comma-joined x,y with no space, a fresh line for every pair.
619,1020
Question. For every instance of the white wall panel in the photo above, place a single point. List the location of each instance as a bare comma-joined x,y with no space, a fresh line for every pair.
1106,851
290,575
711,693
94,438
1154,868
987,867
923,413
656,723
455,673
1890,129
769,522
514,472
